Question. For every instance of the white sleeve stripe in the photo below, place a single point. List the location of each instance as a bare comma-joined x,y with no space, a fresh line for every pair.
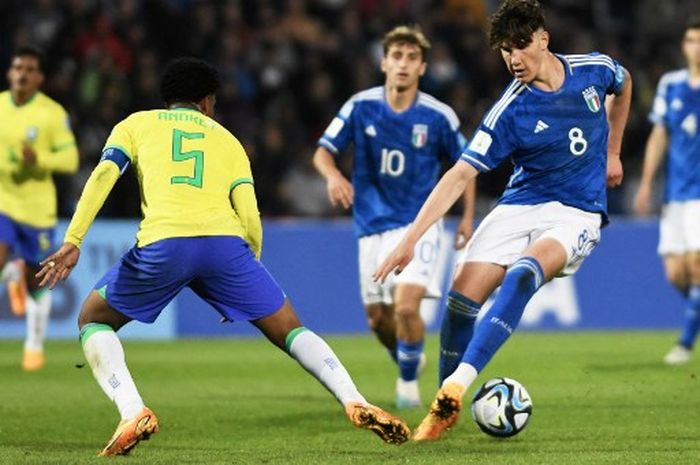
591,58
494,118
474,161
327,144
609,66
441,108
504,97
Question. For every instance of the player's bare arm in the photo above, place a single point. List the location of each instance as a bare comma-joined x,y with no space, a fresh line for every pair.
446,192
340,190
465,228
654,155
618,107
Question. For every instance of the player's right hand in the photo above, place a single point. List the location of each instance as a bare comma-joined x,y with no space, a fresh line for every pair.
57,267
642,201
399,259
340,191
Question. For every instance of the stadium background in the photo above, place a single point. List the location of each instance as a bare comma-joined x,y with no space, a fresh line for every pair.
287,68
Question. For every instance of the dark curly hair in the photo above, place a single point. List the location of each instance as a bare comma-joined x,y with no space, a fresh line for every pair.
514,23
187,80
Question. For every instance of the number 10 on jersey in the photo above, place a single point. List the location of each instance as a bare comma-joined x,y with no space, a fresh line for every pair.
393,162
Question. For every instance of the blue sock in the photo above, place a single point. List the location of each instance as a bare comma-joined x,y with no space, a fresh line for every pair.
520,283
456,332
409,356
692,318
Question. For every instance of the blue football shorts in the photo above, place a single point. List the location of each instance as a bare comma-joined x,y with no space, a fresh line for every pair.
30,243
222,270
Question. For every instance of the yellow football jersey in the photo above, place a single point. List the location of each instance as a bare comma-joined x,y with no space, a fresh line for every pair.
28,194
186,165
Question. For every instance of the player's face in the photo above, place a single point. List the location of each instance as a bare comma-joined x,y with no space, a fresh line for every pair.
525,63
24,75
691,47
403,65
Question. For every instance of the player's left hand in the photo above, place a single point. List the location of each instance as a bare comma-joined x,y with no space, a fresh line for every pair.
614,170
57,267
464,232
28,155
399,258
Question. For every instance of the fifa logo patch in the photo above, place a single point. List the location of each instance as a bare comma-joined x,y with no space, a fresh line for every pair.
420,135
592,99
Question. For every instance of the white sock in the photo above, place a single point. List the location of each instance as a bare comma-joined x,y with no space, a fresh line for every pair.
10,272
105,354
38,310
318,358
464,375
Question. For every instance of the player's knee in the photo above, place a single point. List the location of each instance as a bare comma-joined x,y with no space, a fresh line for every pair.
694,268
376,319
677,276
406,311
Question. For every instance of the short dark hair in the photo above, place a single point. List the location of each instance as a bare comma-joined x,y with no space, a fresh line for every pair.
693,23
188,79
514,23
30,51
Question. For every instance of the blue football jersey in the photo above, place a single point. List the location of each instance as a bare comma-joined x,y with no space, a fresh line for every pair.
397,156
557,140
677,107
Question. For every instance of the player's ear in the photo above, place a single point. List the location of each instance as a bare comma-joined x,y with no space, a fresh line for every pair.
382,64
544,40
423,67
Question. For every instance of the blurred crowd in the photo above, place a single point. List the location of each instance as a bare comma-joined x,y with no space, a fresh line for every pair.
288,66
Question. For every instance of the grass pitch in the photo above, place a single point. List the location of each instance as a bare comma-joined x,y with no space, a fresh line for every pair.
599,398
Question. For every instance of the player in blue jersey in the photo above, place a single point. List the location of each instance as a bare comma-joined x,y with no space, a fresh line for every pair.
400,136
675,117
552,123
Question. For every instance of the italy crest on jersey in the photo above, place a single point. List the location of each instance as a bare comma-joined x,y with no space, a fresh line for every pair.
420,135
592,99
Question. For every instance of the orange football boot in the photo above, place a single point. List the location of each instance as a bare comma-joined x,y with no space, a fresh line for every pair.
130,432
391,429
444,412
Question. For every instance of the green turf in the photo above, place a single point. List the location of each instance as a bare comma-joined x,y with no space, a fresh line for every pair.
599,398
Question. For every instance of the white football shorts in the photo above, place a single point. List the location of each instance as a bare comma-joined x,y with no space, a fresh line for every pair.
422,270
679,228
509,230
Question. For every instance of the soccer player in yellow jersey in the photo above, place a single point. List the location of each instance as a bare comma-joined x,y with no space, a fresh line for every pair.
35,142
201,229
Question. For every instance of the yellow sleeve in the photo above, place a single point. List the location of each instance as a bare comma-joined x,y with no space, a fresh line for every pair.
121,138
62,157
95,192
246,206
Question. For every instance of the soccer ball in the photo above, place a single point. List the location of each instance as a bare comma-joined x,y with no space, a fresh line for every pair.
502,407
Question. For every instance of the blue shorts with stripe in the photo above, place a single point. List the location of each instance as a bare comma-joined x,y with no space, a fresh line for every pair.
222,270
30,243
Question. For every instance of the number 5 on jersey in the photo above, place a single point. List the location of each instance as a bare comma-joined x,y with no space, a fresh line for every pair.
180,156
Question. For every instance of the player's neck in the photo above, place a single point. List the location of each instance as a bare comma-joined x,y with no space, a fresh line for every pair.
187,105
400,100
694,75
20,98
552,74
